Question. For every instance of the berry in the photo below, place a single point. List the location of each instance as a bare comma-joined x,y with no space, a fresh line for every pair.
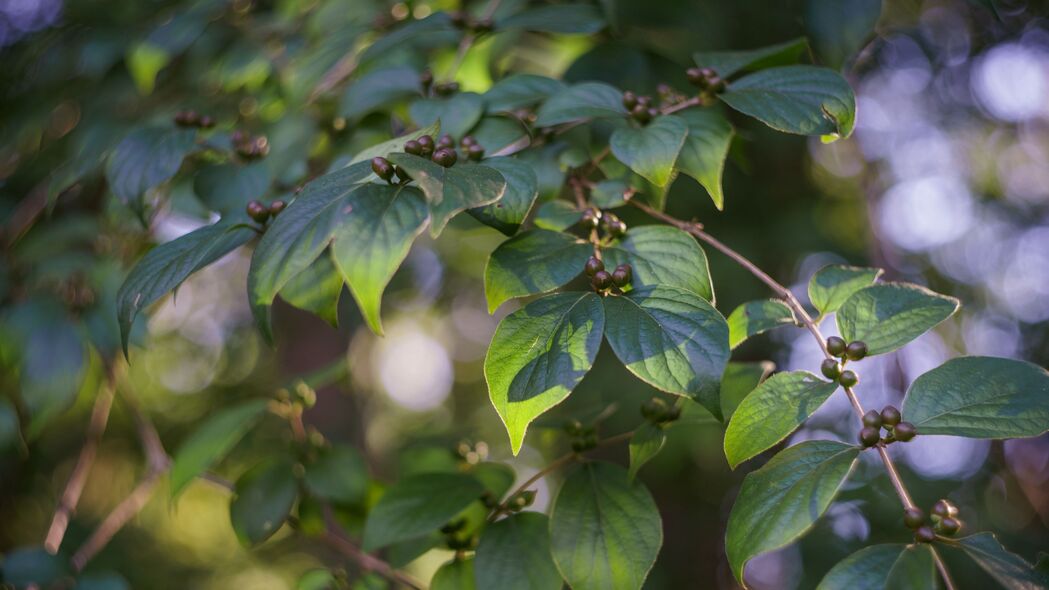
653,409
835,346
872,418
848,378
593,266
856,350
696,77
601,280
913,517
402,175
924,534
446,141
591,217
257,211
413,147
663,89
629,100
645,101
475,152
869,436
468,141
187,119
830,368
949,526
206,122
708,72
426,79
904,431
445,157
640,114
622,275
653,112
574,427
717,84
890,416
944,509
382,168
276,207
446,89
427,145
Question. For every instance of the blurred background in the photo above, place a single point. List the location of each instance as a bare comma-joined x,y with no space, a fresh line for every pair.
945,183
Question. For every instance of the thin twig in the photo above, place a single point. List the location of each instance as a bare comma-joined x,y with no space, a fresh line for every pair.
692,102
369,562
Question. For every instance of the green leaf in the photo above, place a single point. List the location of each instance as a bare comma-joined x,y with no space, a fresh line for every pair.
739,380
33,566
215,437
52,367
588,100
373,239
605,531
514,554
316,290
379,90
796,99
660,255
227,188
535,261
418,504
706,147
646,443
165,267
980,397
726,63
652,150
915,568
888,315
557,215
556,18
840,28
522,188
146,158
671,339
144,62
262,501
1008,569
755,317
394,145
834,283
338,475
772,411
609,194
883,566
457,114
457,574
102,581
781,501
520,90
539,354
452,190
437,26
501,136
317,579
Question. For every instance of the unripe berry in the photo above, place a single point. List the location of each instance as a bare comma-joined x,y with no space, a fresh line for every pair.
601,280
904,431
446,89
593,266
640,114
257,211
835,346
913,517
445,157
949,526
413,147
924,534
872,418
574,427
830,369
890,416
717,84
382,168
653,409
276,207
475,152
629,100
869,436
848,378
856,350
622,275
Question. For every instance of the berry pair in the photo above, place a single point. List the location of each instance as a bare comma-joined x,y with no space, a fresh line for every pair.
943,518
193,119
832,369
260,212
640,107
853,351
602,280
248,147
706,79
658,412
889,419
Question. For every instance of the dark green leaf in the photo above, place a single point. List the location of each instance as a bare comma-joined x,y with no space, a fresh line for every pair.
755,317
379,90
840,28
867,569
888,315
796,99
726,63
739,380
1008,569
316,290
831,285
915,568
166,266
317,579
605,531
211,441
980,397
418,504
452,190
661,255
457,114
514,554
646,443
539,354
672,339
227,188
339,475
262,501
437,26
500,136
535,261
146,158
457,574
766,515
773,411
522,187
53,365
393,145
557,215
556,18
703,154
587,100
652,150
520,90
609,194
106,581
33,566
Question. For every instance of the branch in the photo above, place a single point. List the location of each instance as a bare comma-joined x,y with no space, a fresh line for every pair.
369,562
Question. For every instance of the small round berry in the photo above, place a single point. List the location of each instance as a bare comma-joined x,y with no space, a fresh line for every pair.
717,84
869,436
616,227
593,266
467,141
848,378
591,217
640,114
446,141
426,79
602,280
653,409
708,72
257,211
426,142
382,168
413,147
645,101
944,509
835,346
653,112
475,152
276,207
856,350
620,277
913,517
696,77
830,369
446,89
890,416
445,157
187,119
924,534
628,272
872,418
574,427
949,526
629,100
663,89
206,122
402,174
904,431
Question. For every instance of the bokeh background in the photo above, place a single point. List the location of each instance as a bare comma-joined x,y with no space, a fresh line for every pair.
945,183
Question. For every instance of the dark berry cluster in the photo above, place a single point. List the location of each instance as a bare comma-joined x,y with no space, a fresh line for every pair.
890,420
454,540
609,222
602,280
658,412
261,213
193,119
942,520
706,79
426,80
248,147
640,107
584,438
833,369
